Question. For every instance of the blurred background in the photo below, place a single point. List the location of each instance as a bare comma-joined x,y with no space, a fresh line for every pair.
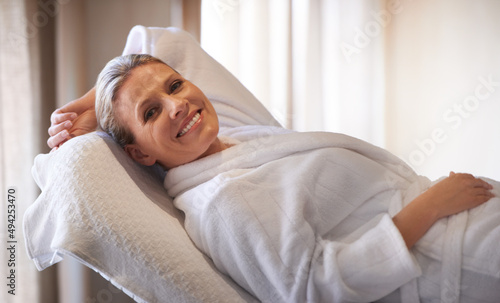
419,78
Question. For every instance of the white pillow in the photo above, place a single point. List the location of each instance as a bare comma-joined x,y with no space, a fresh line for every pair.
114,216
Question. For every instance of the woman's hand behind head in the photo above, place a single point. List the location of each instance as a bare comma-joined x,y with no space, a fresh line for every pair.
73,119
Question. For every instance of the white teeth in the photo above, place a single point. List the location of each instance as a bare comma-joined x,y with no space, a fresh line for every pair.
190,124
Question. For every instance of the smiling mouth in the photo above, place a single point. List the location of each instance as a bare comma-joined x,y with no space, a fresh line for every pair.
193,121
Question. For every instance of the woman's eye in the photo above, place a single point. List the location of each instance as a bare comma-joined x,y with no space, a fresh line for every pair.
175,85
149,113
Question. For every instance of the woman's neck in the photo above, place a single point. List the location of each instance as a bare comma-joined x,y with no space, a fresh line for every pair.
215,147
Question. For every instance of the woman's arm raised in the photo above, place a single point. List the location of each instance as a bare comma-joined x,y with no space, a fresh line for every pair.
456,193
73,119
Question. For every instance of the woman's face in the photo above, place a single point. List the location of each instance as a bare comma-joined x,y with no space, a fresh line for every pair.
172,121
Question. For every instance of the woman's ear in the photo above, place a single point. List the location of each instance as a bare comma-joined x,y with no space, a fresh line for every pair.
137,155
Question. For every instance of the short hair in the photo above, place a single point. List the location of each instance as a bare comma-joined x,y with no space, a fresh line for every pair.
109,82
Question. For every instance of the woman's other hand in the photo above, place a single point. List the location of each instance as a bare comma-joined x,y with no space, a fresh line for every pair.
73,119
456,193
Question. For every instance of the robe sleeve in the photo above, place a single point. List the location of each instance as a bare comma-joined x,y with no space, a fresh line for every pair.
366,269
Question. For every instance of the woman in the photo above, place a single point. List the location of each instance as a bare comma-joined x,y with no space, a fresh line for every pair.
360,236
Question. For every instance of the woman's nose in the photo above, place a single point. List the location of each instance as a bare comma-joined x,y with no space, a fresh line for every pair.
177,106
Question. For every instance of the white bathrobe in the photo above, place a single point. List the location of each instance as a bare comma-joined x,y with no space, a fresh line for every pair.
306,217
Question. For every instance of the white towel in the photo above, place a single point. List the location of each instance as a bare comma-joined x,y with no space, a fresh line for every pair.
114,216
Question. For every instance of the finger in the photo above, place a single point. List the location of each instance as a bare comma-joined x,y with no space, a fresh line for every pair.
58,139
57,128
482,184
482,194
485,197
53,115
59,117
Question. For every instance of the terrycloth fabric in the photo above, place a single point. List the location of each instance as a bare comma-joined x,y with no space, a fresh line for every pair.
269,209
115,217
296,217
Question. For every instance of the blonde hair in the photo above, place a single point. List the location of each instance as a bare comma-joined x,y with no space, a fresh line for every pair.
109,82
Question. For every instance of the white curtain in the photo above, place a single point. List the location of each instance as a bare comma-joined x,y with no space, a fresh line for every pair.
392,72
299,59
24,90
